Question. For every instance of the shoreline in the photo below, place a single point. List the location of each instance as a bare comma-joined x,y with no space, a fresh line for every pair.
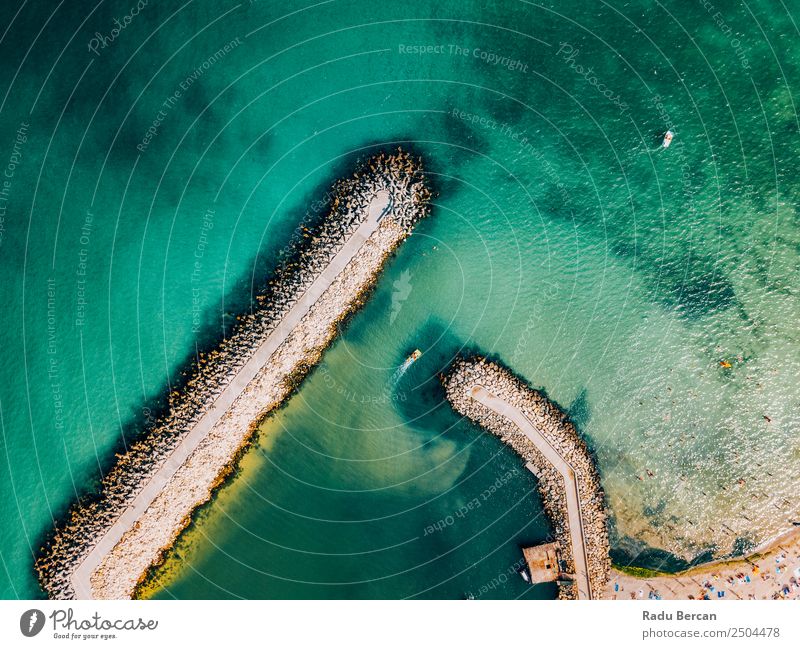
765,573
106,547
788,537
506,406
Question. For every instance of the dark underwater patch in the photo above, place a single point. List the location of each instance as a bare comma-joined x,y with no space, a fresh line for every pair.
695,287
742,546
580,411
639,555
654,511
629,552
460,131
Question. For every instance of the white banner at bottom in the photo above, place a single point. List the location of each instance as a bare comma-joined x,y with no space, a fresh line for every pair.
172,624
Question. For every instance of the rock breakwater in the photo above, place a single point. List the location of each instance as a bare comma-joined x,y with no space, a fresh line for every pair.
540,433
107,542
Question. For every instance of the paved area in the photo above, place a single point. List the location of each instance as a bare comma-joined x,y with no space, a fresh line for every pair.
575,519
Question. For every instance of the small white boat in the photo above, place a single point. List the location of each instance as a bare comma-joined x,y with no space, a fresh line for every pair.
667,139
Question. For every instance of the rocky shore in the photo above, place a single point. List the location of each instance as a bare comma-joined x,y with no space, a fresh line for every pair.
460,382
399,177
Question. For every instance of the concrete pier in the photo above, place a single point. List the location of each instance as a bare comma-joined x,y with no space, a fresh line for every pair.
539,432
106,546
81,578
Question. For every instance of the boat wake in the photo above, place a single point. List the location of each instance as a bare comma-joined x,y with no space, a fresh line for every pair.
400,371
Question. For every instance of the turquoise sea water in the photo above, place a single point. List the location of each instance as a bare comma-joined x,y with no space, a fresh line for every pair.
612,273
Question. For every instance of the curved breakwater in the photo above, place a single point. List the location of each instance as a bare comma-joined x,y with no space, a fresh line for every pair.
568,480
106,543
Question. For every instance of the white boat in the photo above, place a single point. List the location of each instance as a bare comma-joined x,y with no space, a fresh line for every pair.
667,139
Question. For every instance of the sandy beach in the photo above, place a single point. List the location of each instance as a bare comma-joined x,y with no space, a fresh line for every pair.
772,572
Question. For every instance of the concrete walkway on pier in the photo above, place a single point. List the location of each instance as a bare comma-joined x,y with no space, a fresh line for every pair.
381,205
574,518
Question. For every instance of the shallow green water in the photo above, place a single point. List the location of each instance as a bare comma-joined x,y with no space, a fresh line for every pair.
614,274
